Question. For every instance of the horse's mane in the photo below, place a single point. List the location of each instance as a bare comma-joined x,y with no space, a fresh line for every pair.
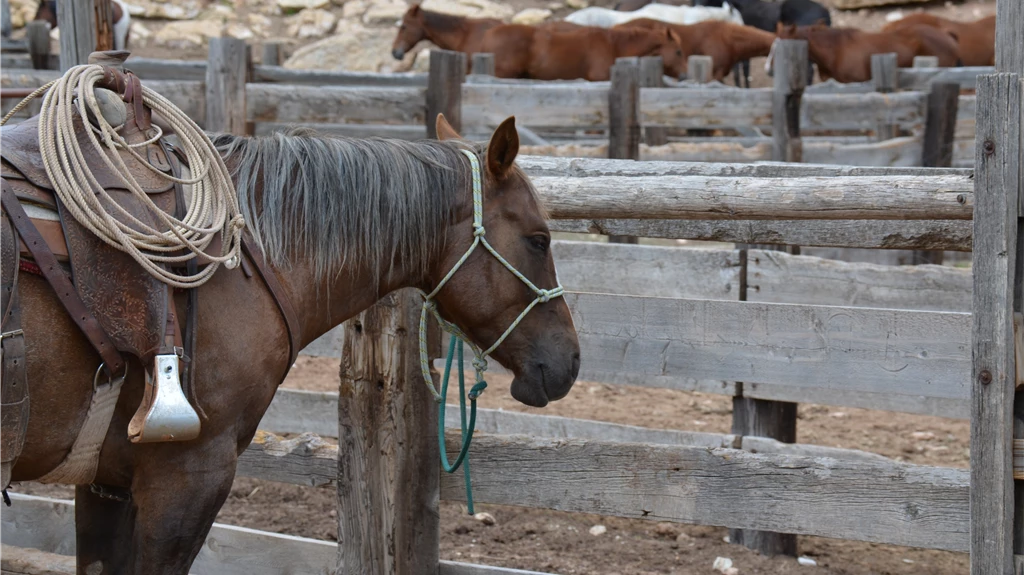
342,201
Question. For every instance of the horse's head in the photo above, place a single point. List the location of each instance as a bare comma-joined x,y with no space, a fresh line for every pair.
484,298
410,32
670,48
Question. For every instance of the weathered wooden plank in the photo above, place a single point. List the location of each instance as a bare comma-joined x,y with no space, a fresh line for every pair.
164,69
444,90
699,108
922,78
582,106
863,111
538,166
190,97
226,73
895,152
782,278
37,34
388,470
787,94
884,502
653,271
482,64
884,79
623,109
78,35
287,415
658,342
937,406
704,198
651,76
952,235
335,105
940,125
337,78
228,549
19,561
48,524
998,164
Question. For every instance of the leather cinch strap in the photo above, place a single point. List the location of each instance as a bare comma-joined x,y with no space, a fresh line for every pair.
279,295
61,284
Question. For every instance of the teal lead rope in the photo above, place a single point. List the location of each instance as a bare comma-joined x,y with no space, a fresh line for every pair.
480,357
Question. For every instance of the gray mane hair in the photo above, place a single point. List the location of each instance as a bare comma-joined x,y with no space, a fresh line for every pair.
341,201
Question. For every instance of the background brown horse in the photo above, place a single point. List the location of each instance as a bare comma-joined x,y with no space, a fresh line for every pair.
845,53
572,52
725,42
446,31
977,40
342,222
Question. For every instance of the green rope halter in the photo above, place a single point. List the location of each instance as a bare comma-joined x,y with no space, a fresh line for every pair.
458,336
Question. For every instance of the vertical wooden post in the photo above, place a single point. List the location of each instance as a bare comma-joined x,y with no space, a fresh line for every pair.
763,418
652,76
77,32
271,54
227,71
937,150
698,68
483,64
444,89
388,464
6,29
926,61
787,92
37,35
623,110
885,78
624,118
997,182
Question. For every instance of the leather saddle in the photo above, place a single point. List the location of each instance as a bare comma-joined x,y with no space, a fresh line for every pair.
131,311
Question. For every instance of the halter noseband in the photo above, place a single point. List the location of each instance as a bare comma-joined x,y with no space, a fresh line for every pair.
480,359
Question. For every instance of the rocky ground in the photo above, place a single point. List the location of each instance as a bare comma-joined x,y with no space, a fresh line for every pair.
357,34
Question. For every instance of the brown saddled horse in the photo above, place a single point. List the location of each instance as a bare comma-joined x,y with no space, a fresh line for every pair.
977,40
725,42
845,53
572,52
342,222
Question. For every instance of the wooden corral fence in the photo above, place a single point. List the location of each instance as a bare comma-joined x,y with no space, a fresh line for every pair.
933,126
701,320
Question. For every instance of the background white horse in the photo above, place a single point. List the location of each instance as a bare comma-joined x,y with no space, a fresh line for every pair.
606,18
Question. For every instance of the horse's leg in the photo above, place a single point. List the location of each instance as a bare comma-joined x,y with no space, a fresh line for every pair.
103,532
746,73
736,74
177,493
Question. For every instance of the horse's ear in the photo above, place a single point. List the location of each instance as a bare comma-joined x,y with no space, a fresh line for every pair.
502,149
414,10
445,131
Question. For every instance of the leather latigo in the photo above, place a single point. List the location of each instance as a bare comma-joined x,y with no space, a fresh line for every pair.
14,399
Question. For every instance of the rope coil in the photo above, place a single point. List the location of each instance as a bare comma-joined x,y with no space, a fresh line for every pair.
213,207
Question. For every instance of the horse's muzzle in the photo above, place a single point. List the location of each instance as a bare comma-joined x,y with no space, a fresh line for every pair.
398,54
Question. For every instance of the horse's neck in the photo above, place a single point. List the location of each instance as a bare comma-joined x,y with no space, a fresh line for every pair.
751,42
823,49
634,42
446,31
322,305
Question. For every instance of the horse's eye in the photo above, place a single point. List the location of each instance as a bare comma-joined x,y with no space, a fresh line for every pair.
540,242
679,52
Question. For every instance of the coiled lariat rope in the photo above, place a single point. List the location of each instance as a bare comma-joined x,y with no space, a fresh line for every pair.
213,206
458,337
